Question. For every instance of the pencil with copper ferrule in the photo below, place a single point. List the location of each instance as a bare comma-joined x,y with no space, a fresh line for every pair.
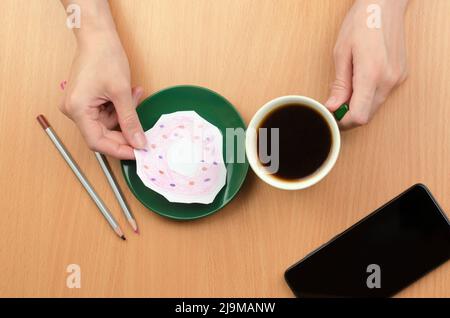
116,189
80,175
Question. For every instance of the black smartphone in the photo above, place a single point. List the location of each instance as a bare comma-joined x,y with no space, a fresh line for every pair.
381,254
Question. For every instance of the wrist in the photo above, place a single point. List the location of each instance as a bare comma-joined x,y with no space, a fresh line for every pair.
96,21
97,37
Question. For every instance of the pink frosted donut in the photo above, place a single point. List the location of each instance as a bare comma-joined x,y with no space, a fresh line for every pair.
183,160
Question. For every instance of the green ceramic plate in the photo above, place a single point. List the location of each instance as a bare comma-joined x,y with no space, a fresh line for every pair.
215,109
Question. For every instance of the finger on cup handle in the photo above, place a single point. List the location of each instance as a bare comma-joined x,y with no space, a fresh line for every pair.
361,105
341,88
339,109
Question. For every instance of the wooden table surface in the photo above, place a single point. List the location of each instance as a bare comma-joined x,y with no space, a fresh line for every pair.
250,51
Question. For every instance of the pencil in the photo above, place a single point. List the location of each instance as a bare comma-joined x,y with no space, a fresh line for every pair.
117,192
79,174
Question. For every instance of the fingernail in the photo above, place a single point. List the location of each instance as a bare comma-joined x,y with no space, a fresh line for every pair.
331,101
140,140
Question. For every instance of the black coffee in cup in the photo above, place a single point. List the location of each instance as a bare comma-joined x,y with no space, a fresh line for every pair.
305,140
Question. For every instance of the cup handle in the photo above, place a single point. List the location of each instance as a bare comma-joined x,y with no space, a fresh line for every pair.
341,111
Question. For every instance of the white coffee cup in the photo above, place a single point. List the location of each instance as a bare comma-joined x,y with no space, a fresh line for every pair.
252,139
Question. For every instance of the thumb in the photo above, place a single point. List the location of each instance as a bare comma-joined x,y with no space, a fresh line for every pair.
341,88
125,105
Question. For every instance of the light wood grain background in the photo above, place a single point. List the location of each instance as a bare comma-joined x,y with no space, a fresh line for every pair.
250,51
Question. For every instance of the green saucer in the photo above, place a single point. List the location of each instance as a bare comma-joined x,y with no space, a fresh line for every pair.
215,109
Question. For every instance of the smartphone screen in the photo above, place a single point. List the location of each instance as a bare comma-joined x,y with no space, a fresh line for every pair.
381,254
